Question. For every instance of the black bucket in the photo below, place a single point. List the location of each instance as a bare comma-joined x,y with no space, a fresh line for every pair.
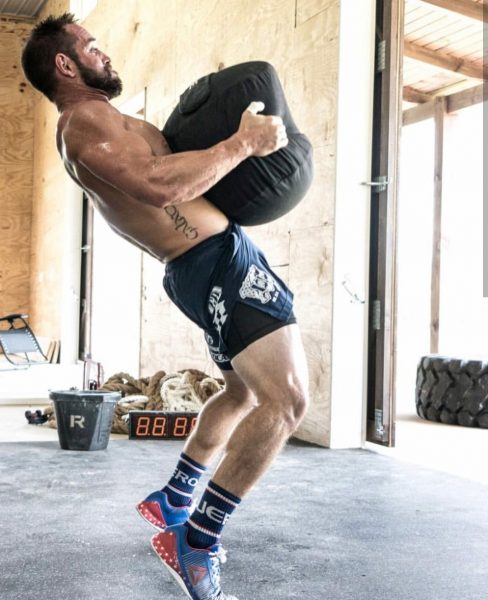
84,418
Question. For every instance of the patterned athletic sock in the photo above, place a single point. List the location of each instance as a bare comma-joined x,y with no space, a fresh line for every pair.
209,517
181,486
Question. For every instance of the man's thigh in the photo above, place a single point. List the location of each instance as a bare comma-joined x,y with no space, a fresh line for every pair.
273,363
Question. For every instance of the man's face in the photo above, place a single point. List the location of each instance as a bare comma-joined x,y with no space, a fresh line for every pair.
93,65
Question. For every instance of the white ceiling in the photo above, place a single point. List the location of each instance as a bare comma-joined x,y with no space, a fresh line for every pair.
21,8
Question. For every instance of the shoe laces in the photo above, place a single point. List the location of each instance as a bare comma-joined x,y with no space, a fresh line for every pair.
220,554
217,558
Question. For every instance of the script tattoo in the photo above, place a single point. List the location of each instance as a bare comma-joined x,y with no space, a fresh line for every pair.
181,224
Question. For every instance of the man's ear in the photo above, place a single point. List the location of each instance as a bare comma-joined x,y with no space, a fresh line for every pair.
65,65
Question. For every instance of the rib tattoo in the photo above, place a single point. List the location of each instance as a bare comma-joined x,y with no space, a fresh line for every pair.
181,224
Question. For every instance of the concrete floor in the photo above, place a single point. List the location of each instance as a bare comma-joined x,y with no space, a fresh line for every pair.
321,524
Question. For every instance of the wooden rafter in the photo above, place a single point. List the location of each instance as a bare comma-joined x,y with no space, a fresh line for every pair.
455,102
410,94
466,98
441,59
463,7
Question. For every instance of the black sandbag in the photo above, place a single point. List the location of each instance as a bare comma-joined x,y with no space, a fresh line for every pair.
260,189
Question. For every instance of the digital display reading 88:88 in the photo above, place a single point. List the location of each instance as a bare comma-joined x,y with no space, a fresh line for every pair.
157,425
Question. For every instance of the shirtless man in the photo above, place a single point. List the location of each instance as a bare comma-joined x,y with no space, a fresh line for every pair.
214,274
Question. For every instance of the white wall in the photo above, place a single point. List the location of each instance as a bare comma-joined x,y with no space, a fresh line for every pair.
351,243
414,255
463,319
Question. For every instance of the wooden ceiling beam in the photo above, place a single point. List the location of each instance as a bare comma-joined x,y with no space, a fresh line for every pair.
455,102
441,59
466,98
466,8
410,94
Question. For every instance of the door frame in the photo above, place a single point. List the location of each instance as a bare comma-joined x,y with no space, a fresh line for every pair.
382,289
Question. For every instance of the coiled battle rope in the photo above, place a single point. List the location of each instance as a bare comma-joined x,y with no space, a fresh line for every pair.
183,391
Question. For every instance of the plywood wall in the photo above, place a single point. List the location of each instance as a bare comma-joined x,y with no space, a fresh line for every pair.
164,46
48,214
16,153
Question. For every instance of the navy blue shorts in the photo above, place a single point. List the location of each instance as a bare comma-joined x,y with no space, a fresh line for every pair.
225,286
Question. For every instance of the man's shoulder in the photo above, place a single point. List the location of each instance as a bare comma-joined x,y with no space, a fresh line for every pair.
93,112
88,121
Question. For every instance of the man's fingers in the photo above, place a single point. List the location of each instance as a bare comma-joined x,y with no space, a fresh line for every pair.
255,107
276,120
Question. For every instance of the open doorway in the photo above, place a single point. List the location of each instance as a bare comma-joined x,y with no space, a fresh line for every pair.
438,272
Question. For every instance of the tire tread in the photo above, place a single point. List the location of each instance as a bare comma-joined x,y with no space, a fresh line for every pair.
452,391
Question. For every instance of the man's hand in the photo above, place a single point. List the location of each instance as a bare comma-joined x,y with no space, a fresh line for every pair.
264,134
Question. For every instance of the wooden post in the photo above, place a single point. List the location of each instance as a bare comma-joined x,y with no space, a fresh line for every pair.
439,115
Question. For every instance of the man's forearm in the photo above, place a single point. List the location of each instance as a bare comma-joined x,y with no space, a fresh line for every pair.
181,177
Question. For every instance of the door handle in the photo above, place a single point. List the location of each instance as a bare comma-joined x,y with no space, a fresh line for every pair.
379,185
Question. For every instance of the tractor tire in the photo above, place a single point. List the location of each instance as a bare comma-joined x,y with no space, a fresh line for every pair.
452,391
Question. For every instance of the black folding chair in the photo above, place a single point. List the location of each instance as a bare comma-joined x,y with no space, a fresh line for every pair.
19,344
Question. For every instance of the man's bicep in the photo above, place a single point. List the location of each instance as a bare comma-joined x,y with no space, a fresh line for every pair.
105,160
117,158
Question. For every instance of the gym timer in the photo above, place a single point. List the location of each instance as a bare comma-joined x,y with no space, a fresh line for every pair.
159,425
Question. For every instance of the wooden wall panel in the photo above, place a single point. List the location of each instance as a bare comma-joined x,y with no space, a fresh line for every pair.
48,211
306,9
16,153
141,43
258,31
310,279
163,47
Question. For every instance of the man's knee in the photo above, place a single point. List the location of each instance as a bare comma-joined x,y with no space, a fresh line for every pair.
290,402
298,403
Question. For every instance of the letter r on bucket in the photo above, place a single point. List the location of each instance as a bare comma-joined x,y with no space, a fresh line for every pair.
77,420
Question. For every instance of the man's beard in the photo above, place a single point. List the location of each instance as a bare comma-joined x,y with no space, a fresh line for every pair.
107,82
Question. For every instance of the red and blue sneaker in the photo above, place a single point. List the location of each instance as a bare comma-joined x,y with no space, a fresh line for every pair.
157,511
196,571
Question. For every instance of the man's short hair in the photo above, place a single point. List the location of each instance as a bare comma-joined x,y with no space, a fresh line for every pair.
46,40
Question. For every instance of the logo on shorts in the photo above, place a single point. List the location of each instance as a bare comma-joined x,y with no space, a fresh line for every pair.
216,307
259,285
214,298
215,352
